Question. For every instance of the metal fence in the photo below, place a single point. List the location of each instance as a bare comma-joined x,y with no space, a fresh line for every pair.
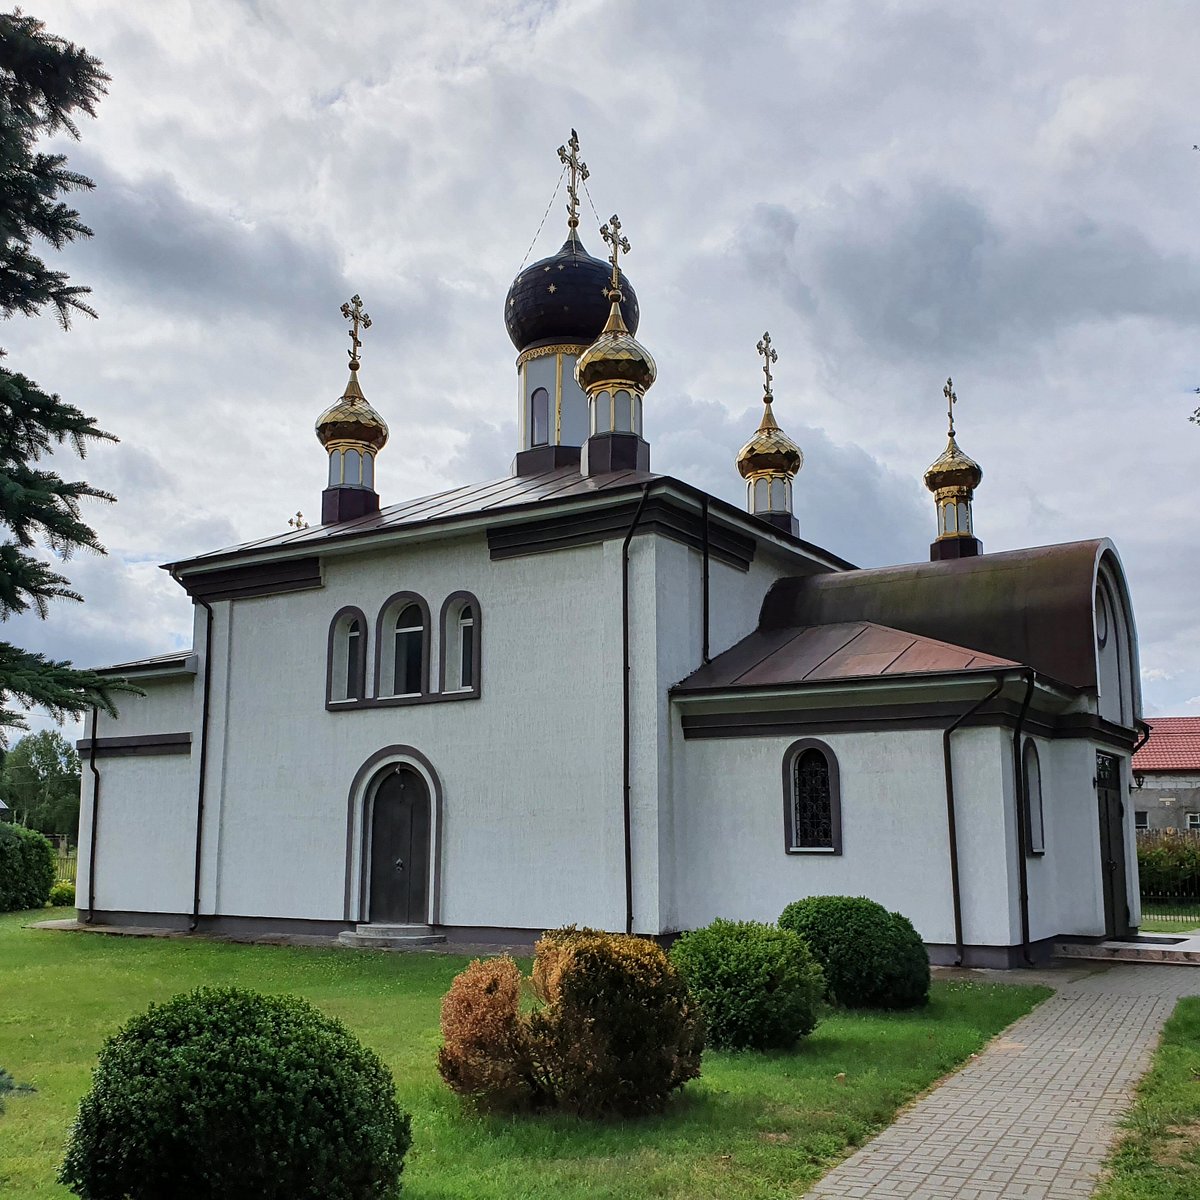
1169,871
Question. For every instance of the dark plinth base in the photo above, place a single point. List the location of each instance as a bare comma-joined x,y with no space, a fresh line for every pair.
781,520
344,504
607,452
541,459
955,547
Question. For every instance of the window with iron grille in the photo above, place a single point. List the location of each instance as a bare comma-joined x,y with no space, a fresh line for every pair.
812,804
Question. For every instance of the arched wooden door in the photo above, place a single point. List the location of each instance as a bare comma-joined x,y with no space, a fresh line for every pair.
399,891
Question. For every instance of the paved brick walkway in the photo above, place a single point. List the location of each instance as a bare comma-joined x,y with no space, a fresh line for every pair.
1033,1117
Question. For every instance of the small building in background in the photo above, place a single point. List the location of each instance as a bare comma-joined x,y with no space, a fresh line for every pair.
1166,776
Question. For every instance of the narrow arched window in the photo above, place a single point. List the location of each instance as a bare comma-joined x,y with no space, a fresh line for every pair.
460,644
346,671
409,660
402,639
539,415
1035,823
812,799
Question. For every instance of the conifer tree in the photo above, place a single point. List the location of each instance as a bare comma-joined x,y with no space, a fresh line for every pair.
45,82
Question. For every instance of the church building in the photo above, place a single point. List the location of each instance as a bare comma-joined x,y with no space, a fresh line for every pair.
586,692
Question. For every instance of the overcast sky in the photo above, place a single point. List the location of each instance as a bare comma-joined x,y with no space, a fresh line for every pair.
1005,193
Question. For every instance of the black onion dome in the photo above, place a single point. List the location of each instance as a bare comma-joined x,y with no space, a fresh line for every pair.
563,299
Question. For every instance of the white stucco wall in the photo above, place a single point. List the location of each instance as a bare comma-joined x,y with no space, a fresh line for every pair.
144,846
730,833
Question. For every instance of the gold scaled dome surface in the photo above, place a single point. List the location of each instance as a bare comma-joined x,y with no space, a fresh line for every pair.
352,419
769,451
615,359
953,470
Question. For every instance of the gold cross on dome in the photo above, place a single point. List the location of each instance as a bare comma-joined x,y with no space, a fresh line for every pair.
611,233
951,401
770,355
352,310
577,172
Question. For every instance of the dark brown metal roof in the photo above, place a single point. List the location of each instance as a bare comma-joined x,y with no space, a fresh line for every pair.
1034,607
830,653
501,498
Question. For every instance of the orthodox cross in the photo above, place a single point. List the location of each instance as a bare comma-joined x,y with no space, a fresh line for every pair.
352,310
611,233
298,521
577,173
951,401
770,355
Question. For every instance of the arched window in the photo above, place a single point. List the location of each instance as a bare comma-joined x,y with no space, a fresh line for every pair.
346,667
539,417
402,648
1035,824
460,644
812,808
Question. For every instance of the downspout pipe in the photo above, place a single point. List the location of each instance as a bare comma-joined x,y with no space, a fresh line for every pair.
91,897
951,816
705,656
626,781
1021,793
208,632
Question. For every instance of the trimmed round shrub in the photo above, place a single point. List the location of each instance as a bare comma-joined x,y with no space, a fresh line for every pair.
758,986
615,1031
27,868
62,894
228,1093
871,958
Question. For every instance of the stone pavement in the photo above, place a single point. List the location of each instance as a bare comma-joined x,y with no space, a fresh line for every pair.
1033,1117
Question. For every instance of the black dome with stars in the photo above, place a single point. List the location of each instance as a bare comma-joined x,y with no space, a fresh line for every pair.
563,299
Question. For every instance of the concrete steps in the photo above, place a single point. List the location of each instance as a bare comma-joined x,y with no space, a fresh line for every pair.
1164,948
391,937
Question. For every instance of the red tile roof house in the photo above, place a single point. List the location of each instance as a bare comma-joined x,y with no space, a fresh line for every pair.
1166,775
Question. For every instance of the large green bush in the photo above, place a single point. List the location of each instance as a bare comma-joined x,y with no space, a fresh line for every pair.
615,1031
225,1093
757,985
1169,864
871,958
27,868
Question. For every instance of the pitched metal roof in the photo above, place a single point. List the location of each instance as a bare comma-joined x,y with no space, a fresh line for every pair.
1174,745
831,653
499,498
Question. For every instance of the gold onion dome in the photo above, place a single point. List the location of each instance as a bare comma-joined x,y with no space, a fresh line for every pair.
769,450
616,358
953,469
352,419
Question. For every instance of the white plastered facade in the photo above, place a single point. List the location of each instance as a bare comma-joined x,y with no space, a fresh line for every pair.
526,779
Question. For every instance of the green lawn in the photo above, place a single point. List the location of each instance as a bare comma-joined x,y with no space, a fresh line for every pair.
1159,1158
754,1126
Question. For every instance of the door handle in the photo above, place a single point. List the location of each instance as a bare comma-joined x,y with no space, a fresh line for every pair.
399,864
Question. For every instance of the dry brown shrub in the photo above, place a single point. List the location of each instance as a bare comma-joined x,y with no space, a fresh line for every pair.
615,1034
485,1054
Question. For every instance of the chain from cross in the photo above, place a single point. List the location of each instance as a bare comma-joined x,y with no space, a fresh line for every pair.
770,355
577,172
352,310
951,401
611,233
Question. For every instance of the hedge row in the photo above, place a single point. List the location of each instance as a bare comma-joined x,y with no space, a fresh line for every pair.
1169,865
27,868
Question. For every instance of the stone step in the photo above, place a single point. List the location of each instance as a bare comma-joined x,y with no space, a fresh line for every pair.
1185,953
391,937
